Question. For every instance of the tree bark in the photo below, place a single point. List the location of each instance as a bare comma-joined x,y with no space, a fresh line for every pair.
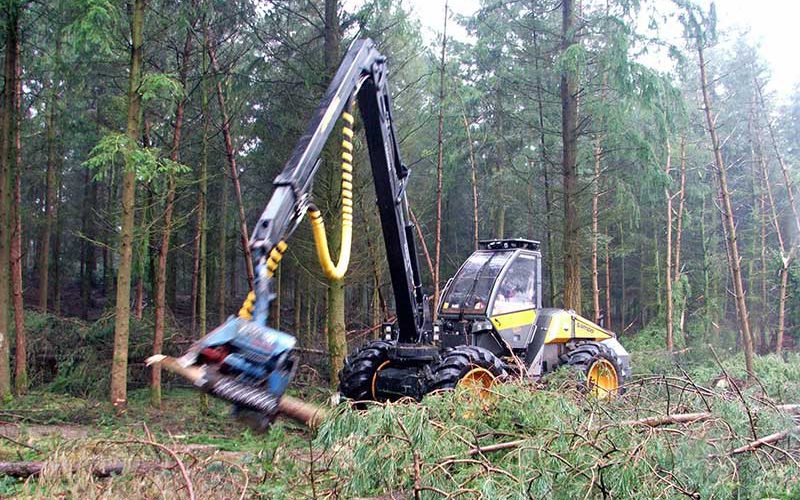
668,267
50,201
551,257
230,154
335,326
763,257
785,257
608,323
166,233
119,368
681,205
56,256
21,355
439,170
679,234
222,251
569,171
598,156
786,179
11,11
297,298
473,178
728,217
598,152
202,199
422,242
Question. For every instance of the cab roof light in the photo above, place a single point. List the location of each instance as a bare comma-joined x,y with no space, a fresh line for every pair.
508,244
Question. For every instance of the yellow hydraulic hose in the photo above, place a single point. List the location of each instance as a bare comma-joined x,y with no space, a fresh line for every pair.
336,271
274,258
331,270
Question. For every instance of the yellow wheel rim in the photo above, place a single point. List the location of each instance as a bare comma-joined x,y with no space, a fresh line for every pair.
375,379
602,379
477,381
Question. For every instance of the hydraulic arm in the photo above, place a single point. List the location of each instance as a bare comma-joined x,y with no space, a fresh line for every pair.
491,322
363,75
250,364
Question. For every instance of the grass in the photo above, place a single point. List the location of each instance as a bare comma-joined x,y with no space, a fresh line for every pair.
554,442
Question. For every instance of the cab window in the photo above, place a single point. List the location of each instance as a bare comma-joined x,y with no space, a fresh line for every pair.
472,287
517,289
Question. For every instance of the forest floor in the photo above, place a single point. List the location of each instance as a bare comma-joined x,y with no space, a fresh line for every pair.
688,426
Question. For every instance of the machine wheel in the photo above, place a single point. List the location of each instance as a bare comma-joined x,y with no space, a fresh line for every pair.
467,366
357,376
599,369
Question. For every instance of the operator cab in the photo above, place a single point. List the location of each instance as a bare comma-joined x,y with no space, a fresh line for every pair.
492,300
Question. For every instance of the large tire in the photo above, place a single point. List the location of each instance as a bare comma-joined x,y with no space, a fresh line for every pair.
459,361
355,377
590,356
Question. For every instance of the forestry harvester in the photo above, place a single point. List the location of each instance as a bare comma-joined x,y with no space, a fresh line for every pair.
490,324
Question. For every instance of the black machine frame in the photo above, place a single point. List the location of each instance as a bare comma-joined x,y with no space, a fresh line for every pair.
363,74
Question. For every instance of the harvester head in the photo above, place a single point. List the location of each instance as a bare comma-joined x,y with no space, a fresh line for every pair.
245,363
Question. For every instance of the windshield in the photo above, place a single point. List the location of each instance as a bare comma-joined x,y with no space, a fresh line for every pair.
517,290
471,288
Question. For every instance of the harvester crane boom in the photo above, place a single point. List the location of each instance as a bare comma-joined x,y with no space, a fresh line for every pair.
362,74
489,319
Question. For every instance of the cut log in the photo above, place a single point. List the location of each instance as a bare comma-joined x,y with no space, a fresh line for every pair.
305,413
32,469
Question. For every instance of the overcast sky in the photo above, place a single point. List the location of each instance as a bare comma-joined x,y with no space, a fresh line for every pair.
774,24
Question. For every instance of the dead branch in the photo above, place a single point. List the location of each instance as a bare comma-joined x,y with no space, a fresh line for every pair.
766,440
677,418
489,448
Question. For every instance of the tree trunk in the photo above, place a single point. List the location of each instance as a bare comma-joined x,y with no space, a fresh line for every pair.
569,134
608,284
195,275
623,295
56,256
422,242
786,179
166,234
728,217
598,156
87,243
439,170
706,269
473,177
202,200
785,257
21,355
308,329
679,234
551,257
763,258
230,154
297,298
277,306
336,331
119,368
668,267
50,201
598,152
7,157
681,204
222,250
